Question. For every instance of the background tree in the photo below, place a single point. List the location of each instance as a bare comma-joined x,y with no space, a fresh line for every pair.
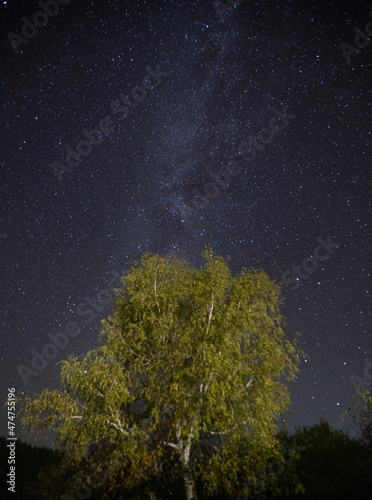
360,415
187,385
331,464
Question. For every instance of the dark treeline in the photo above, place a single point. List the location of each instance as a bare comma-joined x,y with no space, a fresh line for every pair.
30,463
318,462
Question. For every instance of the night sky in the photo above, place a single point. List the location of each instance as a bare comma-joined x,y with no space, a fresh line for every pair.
178,92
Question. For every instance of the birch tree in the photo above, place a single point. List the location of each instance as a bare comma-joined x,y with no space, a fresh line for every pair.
187,385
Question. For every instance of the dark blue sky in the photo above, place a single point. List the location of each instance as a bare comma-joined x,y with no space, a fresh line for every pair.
175,92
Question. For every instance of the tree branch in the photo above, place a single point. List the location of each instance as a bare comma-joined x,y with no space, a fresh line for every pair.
98,392
249,382
119,428
220,433
210,315
172,445
209,321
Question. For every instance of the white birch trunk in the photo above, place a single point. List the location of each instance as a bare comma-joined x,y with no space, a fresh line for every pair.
189,485
188,476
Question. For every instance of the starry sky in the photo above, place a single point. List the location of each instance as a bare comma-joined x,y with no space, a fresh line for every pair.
162,126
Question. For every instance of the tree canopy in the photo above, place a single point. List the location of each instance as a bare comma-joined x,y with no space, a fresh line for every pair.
187,386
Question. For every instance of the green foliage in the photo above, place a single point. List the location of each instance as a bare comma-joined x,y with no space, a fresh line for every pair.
188,383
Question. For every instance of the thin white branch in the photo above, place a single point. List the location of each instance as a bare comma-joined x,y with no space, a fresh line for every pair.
209,321
118,427
172,445
210,315
178,434
99,393
131,350
216,433
209,381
